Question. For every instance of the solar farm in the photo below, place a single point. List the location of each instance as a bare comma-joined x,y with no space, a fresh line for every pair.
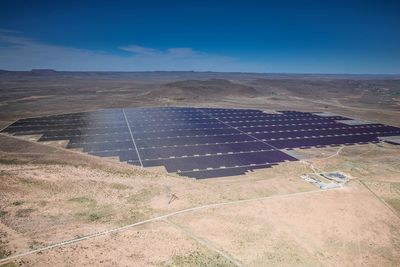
201,168
200,142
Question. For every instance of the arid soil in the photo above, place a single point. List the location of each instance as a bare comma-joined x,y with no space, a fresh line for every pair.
268,217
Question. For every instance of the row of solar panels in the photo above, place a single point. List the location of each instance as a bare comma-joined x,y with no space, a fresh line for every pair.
169,121
199,143
168,140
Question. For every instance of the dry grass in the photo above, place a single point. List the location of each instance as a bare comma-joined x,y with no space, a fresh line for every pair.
198,258
395,203
49,194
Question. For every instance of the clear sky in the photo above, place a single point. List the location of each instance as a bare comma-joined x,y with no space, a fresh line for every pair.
246,36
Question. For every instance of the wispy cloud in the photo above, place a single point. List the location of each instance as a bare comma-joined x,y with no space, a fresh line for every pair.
171,52
21,53
137,49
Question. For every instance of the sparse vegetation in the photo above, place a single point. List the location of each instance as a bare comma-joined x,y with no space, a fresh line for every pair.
394,203
89,210
94,214
395,187
42,203
72,192
9,161
83,200
142,196
119,186
24,212
4,252
39,184
132,217
2,213
10,264
18,203
200,259
35,244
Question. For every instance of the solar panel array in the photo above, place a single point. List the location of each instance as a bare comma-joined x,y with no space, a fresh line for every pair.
199,142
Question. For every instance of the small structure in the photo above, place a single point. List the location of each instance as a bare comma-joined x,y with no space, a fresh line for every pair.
336,176
326,180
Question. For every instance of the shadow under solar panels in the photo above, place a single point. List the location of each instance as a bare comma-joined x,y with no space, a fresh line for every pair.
199,142
202,150
220,161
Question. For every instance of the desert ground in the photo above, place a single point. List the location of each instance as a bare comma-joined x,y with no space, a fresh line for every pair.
65,208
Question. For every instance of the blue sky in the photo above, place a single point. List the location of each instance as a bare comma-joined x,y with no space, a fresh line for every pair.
245,36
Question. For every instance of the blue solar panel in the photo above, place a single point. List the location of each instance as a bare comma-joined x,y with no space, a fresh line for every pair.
181,151
198,142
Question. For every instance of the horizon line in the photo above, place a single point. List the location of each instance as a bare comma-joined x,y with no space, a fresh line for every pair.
193,71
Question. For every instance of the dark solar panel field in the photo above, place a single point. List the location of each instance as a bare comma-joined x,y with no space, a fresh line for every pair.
199,142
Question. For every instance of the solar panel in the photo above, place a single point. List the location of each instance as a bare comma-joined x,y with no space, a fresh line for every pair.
199,142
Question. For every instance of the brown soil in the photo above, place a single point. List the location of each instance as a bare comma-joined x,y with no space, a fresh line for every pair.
208,89
49,194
